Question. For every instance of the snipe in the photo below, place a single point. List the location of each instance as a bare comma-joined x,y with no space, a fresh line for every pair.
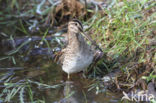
78,55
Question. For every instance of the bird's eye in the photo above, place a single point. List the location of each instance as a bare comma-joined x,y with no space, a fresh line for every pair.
76,24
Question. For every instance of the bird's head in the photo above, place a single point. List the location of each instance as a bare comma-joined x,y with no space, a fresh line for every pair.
75,26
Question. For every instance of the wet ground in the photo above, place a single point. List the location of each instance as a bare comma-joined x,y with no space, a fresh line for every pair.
44,80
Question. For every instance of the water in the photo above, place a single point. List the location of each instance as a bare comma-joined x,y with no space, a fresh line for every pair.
73,91
37,72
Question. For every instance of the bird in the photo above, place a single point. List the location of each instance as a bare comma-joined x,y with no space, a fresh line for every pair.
78,54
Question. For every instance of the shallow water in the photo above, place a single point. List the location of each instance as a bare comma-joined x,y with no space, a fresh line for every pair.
43,80
69,91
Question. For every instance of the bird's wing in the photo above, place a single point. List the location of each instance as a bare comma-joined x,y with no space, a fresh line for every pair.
59,57
97,56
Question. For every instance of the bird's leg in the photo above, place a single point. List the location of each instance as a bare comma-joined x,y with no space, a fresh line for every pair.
68,76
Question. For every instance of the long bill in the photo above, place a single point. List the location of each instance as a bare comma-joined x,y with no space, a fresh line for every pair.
90,39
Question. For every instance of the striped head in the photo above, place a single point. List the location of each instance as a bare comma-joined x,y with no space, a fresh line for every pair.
75,26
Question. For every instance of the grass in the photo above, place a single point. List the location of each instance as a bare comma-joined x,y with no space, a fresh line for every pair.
125,32
21,89
122,31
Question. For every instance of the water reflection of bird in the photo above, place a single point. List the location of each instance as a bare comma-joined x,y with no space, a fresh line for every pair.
72,93
76,92
78,55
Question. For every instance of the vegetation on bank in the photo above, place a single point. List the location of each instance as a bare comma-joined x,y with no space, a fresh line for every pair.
126,32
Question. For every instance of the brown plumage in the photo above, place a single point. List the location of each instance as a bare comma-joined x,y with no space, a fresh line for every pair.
78,55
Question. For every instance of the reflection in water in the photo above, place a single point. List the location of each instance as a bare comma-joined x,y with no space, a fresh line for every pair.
74,92
42,70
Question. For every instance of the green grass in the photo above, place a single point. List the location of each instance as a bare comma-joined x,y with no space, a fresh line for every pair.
125,33
18,91
122,30
124,27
